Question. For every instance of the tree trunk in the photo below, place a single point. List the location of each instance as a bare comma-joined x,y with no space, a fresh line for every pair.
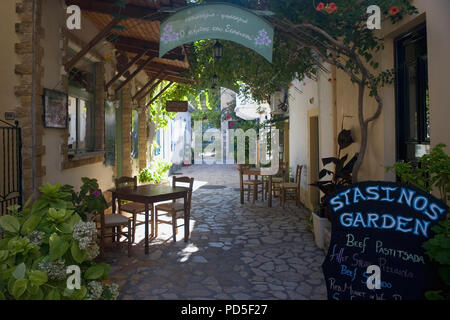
363,127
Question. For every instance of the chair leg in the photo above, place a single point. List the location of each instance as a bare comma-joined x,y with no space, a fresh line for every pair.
255,193
283,197
102,243
134,226
248,193
156,223
129,238
174,226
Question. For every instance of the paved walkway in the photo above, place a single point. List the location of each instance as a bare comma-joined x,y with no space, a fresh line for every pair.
235,251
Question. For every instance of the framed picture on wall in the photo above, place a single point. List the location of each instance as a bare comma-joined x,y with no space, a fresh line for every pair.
55,109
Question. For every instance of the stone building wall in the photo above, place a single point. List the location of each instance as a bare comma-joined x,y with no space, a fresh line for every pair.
24,71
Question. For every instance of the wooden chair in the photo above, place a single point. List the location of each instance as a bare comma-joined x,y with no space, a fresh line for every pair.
132,208
281,177
292,188
252,184
114,222
174,209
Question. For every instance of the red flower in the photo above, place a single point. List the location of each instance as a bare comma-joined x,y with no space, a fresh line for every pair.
228,117
320,7
394,10
231,124
332,8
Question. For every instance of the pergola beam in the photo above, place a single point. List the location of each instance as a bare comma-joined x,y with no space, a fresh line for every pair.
102,34
148,83
153,87
107,7
134,45
128,66
134,74
159,94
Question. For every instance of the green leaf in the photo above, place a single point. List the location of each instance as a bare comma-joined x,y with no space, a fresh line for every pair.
31,224
77,254
94,272
39,295
53,295
10,224
19,288
3,255
19,272
434,295
58,246
2,296
79,294
38,277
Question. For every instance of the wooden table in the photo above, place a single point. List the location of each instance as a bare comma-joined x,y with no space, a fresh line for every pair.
149,194
256,172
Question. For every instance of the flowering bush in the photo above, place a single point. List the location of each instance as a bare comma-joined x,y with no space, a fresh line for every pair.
38,245
89,201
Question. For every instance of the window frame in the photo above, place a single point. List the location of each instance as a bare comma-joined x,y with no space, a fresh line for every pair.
401,93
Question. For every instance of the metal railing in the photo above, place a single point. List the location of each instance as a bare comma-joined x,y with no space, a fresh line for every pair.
11,190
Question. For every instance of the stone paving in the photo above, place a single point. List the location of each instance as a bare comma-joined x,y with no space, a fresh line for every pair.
235,251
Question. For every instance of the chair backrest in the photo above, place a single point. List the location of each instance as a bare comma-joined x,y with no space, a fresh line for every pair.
125,182
245,167
298,175
284,170
188,180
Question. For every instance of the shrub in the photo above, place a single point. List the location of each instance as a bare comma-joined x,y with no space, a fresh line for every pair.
38,245
432,172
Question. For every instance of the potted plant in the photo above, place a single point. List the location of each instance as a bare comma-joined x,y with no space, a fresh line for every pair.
338,178
158,173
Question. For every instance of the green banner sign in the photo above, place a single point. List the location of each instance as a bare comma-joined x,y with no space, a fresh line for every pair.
217,21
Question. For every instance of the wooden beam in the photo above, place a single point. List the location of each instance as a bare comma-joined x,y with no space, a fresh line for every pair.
102,34
159,94
153,87
131,10
128,66
134,74
136,45
148,83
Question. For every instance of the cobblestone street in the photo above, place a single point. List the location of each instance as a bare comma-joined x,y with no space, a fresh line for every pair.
235,251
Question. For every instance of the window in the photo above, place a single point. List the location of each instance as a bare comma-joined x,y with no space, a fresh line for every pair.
134,134
412,95
81,99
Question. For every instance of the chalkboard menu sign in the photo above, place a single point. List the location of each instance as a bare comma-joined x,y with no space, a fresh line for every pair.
381,225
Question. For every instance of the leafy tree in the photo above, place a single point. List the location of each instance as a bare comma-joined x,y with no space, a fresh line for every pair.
309,34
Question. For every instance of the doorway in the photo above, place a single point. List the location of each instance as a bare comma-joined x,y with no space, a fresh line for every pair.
313,171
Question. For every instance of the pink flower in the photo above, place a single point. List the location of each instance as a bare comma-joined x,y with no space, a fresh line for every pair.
228,117
320,7
394,10
332,8
96,193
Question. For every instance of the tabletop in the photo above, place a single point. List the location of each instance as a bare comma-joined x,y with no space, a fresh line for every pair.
150,191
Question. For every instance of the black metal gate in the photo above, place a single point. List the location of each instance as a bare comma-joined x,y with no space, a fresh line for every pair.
10,166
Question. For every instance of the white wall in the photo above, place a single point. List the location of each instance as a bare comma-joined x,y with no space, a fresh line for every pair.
305,96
